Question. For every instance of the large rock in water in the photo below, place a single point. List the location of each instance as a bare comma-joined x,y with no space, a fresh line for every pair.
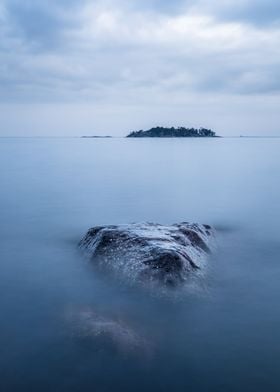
150,251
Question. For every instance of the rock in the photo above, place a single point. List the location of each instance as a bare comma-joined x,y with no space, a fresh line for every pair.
149,251
110,333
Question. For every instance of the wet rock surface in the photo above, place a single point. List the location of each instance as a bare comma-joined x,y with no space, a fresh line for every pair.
149,251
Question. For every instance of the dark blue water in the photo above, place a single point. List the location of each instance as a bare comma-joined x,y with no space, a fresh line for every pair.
221,334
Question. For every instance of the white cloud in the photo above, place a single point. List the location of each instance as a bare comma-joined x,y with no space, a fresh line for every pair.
112,54
159,48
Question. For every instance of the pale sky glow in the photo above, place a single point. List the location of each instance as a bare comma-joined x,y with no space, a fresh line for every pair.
107,67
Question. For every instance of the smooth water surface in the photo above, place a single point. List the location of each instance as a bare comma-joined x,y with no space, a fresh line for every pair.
222,334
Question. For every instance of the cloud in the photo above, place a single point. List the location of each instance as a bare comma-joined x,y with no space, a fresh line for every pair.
255,12
137,53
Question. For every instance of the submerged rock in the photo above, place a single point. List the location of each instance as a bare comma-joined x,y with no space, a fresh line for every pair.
109,333
150,251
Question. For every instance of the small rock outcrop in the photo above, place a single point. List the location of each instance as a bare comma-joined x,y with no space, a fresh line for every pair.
148,251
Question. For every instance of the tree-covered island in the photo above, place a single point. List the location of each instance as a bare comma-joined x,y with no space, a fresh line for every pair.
174,132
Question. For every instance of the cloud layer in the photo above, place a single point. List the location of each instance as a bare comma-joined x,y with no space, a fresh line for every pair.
138,53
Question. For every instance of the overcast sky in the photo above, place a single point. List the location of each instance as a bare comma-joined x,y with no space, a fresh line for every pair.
74,67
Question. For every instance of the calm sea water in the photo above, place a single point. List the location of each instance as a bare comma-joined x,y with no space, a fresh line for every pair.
223,334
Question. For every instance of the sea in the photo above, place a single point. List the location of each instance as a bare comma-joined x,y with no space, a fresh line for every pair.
66,325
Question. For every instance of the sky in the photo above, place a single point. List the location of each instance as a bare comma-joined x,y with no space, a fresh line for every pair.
84,67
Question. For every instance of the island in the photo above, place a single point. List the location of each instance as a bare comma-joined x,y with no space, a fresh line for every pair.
173,132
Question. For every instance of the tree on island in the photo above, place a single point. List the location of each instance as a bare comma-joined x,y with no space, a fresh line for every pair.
173,132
